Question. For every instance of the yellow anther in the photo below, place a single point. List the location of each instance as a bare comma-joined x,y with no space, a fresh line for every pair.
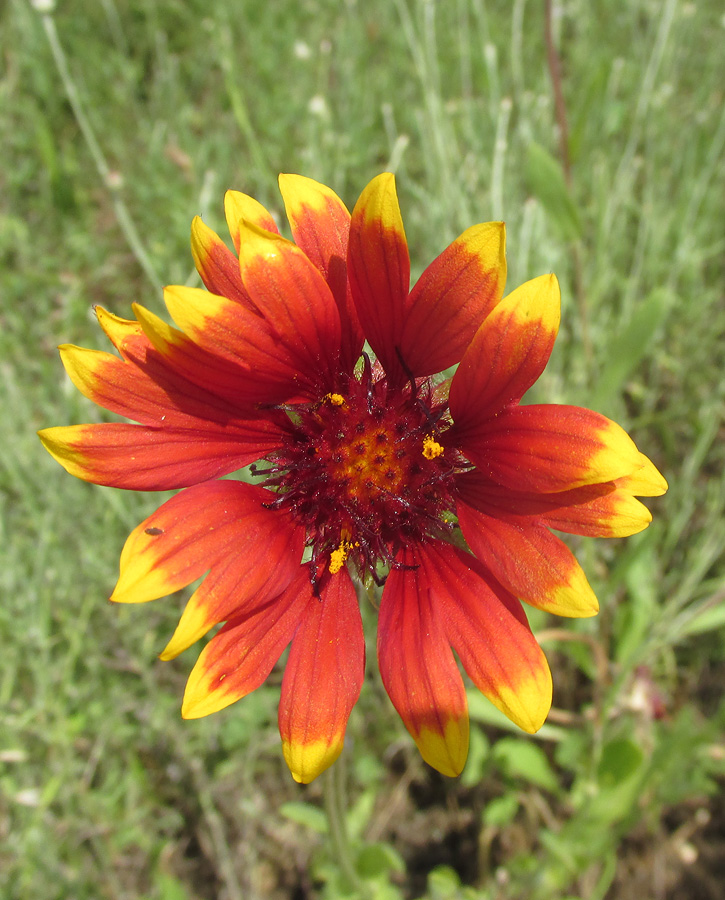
338,557
431,447
335,399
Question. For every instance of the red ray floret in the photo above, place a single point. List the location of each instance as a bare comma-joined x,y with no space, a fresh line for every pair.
294,299
418,668
549,447
241,655
457,292
220,527
239,208
322,680
507,354
249,370
596,510
138,458
488,630
217,266
530,561
320,226
379,271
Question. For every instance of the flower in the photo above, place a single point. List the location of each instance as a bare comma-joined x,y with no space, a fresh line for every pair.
443,491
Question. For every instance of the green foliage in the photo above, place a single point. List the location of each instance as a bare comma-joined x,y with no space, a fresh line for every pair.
545,179
104,791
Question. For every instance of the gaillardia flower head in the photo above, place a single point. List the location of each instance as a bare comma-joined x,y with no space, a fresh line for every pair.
366,467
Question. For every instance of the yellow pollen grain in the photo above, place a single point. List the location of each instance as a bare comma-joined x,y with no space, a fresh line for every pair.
431,447
338,557
335,399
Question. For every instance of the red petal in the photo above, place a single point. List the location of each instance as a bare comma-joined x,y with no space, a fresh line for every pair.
452,297
240,656
273,381
295,301
418,668
139,458
259,566
320,226
508,353
268,369
530,562
490,634
595,510
146,389
215,262
550,448
379,270
322,680
205,528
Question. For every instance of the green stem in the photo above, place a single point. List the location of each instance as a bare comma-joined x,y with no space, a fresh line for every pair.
335,804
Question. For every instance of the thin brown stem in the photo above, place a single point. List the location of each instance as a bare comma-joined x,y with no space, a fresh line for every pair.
556,82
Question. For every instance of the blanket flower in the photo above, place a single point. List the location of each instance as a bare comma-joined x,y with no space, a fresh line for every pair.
364,466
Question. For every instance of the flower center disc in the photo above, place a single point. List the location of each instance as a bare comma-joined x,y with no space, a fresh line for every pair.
364,472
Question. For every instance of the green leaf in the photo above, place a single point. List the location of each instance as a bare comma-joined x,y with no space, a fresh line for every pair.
520,758
545,179
305,814
170,888
478,751
621,759
443,883
710,618
500,811
631,344
375,860
633,624
620,774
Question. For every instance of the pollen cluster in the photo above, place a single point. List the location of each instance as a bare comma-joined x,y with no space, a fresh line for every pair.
365,471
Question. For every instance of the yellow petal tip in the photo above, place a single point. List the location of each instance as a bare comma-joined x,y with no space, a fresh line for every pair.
308,760
446,752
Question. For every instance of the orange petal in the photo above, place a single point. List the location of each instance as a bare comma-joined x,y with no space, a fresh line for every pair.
240,656
529,561
239,206
594,510
215,370
320,226
141,458
215,262
550,448
145,388
195,531
270,369
322,680
508,353
490,634
379,270
260,564
418,668
452,297
294,299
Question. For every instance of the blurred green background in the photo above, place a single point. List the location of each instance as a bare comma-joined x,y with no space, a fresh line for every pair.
104,791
